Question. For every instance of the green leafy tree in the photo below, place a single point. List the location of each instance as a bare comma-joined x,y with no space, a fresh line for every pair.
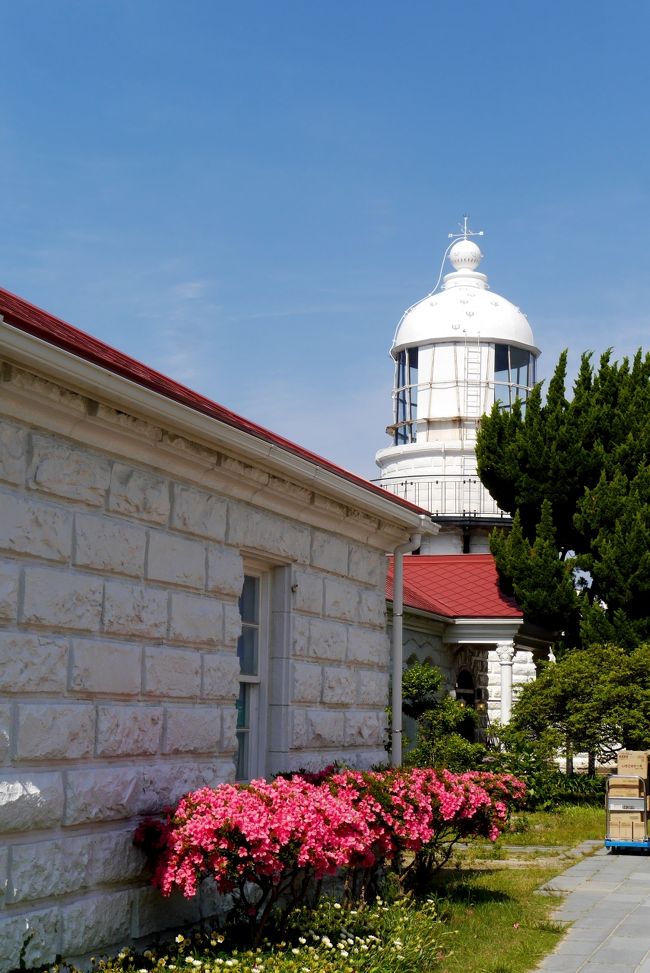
595,702
575,475
441,722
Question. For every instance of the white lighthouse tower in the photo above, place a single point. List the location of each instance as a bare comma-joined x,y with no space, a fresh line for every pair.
456,352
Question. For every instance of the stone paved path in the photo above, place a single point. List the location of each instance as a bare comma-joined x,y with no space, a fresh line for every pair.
608,905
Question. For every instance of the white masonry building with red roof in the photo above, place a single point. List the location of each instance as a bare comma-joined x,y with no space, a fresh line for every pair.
185,598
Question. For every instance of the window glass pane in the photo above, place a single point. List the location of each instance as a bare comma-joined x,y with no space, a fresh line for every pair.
241,772
247,650
501,373
502,395
413,366
249,601
519,365
401,369
243,715
400,403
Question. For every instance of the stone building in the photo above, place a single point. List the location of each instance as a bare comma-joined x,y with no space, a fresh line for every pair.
185,598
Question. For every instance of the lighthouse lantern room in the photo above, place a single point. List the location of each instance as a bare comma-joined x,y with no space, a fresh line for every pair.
457,352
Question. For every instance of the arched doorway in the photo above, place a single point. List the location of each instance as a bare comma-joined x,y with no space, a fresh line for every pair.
466,694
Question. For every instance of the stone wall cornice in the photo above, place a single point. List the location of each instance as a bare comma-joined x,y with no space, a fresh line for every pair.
41,403
100,385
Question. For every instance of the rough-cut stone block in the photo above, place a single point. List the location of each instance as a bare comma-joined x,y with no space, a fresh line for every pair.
4,873
300,636
199,513
102,794
192,729
225,571
44,868
32,663
372,688
307,680
368,566
308,593
172,672
231,623
372,608
176,560
139,494
30,800
339,685
28,526
65,471
107,667
316,729
364,729
32,938
221,676
109,544
131,609
51,731
57,867
341,599
154,912
114,858
228,729
9,577
327,640
95,922
329,552
5,737
366,646
249,527
128,730
196,619
13,452
164,783
62,599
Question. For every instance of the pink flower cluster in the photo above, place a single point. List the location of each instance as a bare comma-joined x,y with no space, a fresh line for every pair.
262,832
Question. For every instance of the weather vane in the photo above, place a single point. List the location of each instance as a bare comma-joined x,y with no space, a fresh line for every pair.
465,233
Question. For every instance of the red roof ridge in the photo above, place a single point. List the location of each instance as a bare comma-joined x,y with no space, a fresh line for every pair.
20,314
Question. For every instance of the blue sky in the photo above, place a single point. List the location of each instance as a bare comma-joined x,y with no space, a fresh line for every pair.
247,195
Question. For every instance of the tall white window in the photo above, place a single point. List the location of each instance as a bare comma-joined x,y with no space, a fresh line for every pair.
253,652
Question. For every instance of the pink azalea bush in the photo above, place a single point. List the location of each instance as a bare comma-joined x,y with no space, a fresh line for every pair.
269,842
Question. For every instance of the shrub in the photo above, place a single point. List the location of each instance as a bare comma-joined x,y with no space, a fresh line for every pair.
271,844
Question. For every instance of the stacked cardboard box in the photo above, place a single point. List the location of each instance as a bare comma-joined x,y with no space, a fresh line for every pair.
633,762
627,788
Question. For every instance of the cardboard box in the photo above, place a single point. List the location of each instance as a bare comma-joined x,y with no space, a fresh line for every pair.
622,817
621,830
625,787
633,762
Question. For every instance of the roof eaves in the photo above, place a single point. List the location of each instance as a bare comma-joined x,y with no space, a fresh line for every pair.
21,318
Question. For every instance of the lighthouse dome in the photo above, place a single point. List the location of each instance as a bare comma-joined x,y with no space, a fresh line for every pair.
464,308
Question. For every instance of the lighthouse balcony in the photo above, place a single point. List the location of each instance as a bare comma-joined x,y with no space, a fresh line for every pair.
446,495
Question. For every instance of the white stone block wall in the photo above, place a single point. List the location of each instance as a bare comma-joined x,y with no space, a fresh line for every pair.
119,619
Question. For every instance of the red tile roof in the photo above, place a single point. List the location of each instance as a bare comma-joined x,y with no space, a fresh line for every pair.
454,585
27,317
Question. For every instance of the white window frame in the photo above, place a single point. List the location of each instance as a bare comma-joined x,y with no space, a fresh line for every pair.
258,684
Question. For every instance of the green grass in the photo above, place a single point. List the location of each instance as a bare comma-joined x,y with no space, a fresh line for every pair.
499,924
474,921
568,825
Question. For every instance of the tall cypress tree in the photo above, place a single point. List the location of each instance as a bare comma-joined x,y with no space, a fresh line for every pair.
575,475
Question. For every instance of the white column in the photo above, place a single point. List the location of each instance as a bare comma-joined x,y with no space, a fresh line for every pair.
505,653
